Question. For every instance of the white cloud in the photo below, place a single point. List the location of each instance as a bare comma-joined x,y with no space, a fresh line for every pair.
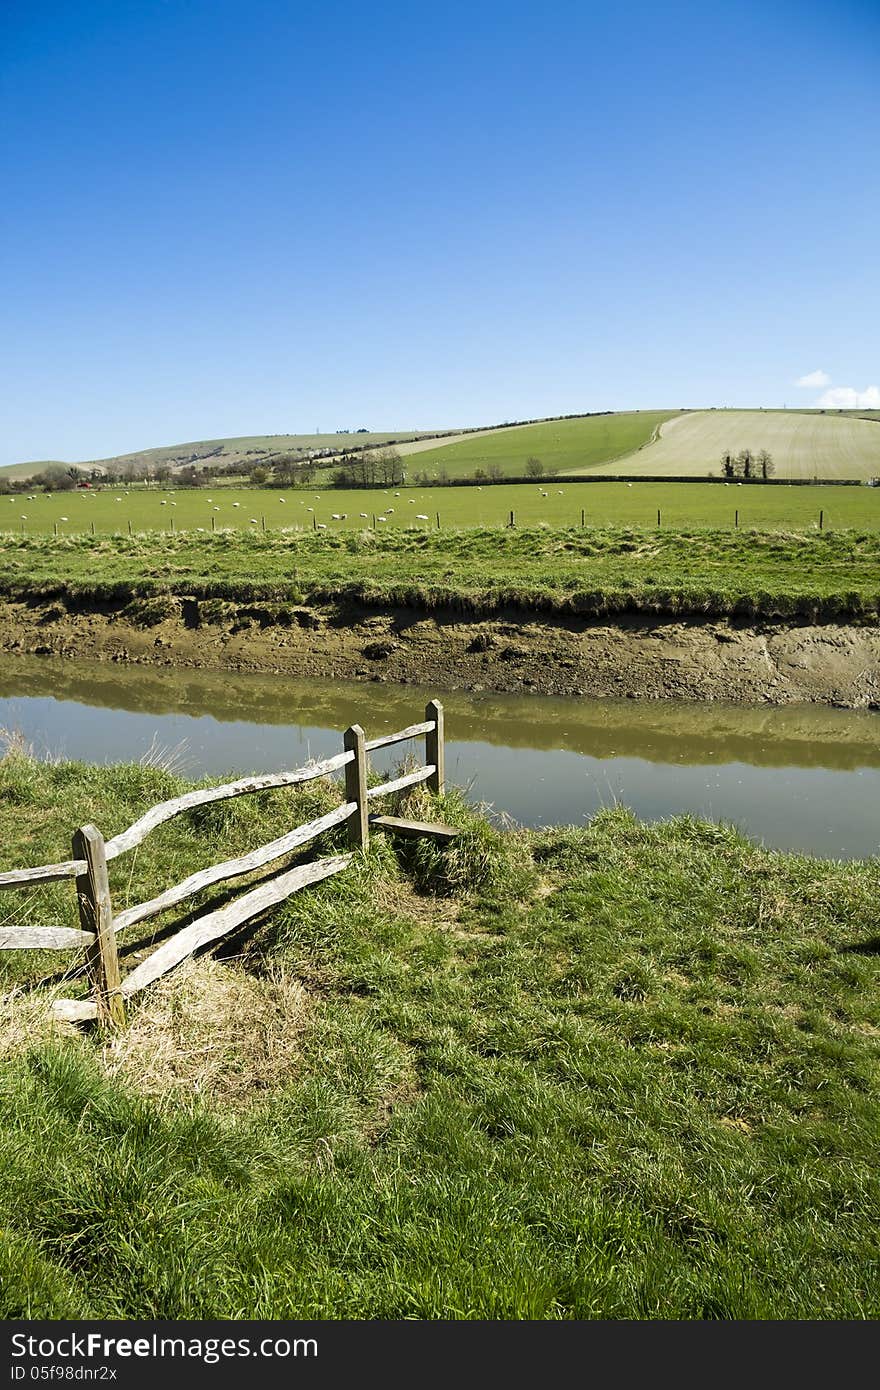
819,378
847,398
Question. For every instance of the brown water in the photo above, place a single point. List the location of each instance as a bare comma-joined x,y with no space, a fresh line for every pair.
797,777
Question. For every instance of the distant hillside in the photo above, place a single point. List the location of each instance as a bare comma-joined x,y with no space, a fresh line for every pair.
246,450
839,444
804,444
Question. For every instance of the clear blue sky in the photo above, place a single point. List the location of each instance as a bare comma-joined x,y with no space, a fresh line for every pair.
228,218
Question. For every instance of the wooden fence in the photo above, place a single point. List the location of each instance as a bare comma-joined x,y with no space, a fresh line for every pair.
99,926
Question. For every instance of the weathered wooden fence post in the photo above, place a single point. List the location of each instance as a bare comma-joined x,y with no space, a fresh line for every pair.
355,740
435,747
96,915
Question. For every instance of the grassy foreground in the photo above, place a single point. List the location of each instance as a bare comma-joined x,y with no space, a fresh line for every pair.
827,576
619,1071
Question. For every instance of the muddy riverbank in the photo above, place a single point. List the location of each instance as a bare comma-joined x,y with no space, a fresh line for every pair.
646,659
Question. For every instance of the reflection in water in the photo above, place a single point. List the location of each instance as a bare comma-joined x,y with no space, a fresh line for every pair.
802,777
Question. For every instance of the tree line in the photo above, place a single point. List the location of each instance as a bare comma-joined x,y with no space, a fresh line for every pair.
745,464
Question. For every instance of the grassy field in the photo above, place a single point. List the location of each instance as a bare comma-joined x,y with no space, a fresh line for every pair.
616,1071
561,445
803,445
828,576
556,504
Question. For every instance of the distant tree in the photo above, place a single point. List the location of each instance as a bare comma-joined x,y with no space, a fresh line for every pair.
728,464
534,467
496,472
259,475
55,478
744,463
766,464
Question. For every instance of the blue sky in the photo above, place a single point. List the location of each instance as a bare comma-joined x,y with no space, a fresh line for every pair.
223,218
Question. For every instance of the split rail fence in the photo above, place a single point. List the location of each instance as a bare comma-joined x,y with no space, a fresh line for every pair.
100,925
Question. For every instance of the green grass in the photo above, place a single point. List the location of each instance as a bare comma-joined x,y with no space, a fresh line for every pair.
562,445
681,505
617,1071
832,575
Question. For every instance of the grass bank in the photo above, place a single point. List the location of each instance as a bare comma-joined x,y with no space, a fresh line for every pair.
612,1071
808,577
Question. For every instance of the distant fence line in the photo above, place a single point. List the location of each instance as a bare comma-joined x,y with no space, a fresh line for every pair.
99,925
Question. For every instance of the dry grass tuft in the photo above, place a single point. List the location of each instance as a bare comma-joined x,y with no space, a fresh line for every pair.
25,1019
13,744
211,1030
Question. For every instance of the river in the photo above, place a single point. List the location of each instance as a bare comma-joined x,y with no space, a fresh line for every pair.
801,777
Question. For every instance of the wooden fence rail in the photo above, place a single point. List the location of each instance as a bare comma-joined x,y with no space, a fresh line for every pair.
99,926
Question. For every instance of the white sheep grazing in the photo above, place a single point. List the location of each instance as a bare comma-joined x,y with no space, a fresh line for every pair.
335,516
321,526
364,515
420,516
236,504
378,518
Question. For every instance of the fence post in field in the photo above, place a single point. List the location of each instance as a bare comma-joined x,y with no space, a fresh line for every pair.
821,520
129,528
435,749
658,516
583,515
736,518
96,915
355,740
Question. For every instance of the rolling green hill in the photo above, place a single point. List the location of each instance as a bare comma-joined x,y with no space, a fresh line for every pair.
586,441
